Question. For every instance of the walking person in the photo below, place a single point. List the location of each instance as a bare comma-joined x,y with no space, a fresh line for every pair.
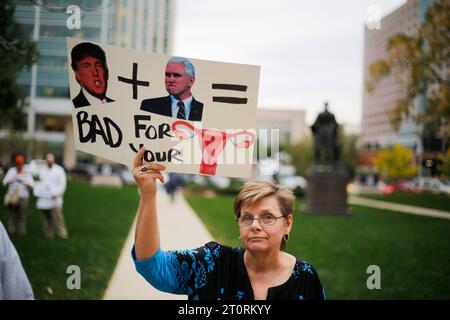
176,180
18,181
50,191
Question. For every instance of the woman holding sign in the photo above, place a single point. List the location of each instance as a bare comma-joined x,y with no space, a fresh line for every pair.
261,270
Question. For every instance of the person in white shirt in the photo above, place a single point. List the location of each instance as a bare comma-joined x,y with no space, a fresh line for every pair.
50,190
18,181
14,283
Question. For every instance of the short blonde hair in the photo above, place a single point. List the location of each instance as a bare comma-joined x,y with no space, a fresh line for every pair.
252,192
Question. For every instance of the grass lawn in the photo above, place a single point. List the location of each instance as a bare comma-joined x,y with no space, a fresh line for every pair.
98,220
413,252
424,199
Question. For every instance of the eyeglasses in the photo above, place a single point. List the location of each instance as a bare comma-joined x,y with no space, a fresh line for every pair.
265,221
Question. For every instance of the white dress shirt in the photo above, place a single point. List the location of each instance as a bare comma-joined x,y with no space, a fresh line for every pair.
51,187
18,181
91,99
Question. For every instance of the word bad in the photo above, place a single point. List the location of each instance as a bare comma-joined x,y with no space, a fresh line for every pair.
90,128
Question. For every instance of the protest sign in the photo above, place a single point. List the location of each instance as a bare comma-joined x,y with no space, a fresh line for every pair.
194,116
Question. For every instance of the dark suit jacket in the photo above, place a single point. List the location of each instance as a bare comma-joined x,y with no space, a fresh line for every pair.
163,106
81,101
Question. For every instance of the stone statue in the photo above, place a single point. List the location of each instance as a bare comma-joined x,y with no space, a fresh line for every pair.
325,131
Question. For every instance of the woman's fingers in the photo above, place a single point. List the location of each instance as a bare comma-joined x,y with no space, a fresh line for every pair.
155,166
154,175
154,170
149,166
158,176
138,158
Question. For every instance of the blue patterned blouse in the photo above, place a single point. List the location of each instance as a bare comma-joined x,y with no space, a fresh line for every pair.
215,271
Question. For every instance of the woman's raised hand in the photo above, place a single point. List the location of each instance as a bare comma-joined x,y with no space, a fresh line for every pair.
146,175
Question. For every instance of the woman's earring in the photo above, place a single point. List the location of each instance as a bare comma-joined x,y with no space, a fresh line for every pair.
286,237
240,238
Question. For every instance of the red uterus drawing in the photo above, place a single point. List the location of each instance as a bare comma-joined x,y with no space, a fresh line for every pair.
212,142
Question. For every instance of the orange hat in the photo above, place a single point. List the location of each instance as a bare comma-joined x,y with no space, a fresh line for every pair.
19,159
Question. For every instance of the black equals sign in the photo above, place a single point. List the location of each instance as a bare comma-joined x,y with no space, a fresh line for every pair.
232,87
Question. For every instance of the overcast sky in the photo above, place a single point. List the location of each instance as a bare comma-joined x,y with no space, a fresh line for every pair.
308,51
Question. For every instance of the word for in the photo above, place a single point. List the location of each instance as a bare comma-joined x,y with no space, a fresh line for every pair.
150,131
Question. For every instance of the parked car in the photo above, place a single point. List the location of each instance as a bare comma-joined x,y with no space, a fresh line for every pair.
84,170
385,188
432,184
446,187
220,182
198,179
127,176
397,186
293,182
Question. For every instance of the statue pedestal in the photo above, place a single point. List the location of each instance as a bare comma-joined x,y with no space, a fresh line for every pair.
327,191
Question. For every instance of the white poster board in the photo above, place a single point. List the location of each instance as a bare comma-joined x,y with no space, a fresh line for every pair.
194,116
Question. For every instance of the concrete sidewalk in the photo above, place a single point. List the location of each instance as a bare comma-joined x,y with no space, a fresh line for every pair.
399,207
180,228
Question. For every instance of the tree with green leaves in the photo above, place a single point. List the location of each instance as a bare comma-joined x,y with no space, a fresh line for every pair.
302,154
395,163
420,63
16,52
444,167
350,154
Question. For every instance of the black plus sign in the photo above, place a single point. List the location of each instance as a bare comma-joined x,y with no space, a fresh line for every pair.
134,81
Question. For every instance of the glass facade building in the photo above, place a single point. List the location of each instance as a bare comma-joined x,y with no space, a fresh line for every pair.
376,131
145,25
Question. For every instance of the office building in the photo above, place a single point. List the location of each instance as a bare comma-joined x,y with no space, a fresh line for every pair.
145,25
